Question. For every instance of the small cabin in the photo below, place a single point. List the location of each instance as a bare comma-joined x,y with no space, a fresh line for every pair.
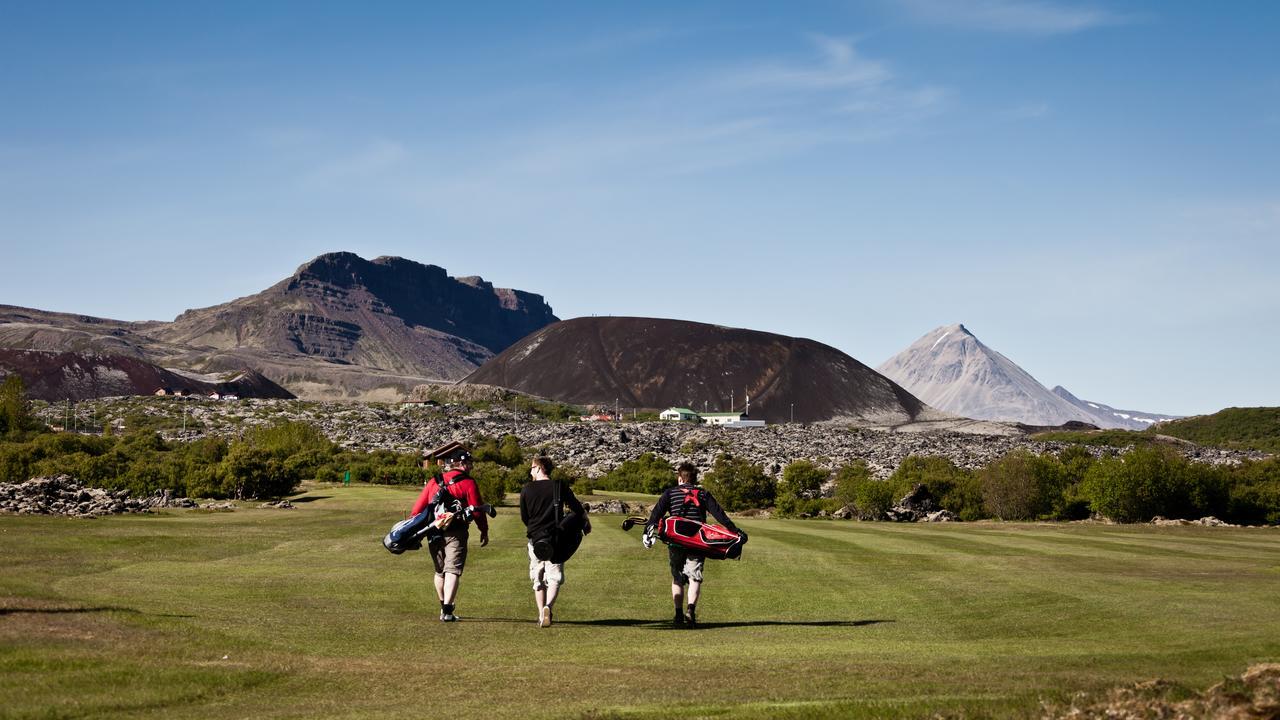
723,418
678,414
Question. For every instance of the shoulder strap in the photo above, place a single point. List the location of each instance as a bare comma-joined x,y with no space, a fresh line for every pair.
693,494
555,501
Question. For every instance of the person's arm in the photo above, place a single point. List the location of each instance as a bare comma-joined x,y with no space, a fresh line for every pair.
425,498
482,521
571,501
659,509
716,511
524,506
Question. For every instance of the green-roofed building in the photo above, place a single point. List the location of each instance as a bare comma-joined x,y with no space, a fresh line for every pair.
679,413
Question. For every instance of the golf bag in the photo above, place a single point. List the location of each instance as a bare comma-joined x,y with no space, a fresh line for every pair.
442,511
715,542
696,538
409,534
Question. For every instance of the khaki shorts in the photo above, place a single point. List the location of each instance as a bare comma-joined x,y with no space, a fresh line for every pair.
684,567
544,572
450,554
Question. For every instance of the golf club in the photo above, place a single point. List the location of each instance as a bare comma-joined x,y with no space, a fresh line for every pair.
631,522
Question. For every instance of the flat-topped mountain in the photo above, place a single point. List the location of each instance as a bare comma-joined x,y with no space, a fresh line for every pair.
655,363
388,313
340,326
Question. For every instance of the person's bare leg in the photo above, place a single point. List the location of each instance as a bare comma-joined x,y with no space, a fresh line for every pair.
695,587
440,588
552,590
677,597
449,592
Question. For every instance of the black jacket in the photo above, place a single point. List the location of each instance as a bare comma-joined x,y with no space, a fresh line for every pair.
537,510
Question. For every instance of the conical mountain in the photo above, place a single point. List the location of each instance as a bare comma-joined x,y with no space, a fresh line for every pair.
655,363
950,369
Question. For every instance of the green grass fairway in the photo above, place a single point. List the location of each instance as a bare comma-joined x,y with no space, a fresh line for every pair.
302,614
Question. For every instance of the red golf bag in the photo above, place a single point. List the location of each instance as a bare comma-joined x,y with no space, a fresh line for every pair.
703,539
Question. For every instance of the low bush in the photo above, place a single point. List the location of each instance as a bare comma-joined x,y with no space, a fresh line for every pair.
646,474
738,484
800,490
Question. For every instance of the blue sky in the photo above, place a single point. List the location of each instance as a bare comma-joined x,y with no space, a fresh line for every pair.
1092,188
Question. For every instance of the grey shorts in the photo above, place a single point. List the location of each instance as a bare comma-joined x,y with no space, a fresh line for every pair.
684,567
450,554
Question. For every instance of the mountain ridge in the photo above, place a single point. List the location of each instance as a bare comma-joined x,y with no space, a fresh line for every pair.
339,327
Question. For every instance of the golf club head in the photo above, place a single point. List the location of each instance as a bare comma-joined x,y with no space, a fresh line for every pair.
631,522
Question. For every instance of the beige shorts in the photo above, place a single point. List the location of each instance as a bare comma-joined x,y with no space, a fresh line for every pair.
450,554
544,572
684,567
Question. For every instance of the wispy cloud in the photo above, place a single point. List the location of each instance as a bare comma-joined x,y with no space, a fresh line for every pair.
840,66
826,94
1035,17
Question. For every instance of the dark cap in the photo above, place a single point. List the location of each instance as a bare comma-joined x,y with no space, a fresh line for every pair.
453,452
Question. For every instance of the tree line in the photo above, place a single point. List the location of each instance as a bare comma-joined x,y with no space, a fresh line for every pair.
1147,481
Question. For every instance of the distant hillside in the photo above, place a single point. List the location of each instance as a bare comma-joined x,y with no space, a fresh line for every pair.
1109,417
1256,428
80,376
340,326
655,363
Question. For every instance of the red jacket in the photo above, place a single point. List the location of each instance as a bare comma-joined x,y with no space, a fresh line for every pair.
462,487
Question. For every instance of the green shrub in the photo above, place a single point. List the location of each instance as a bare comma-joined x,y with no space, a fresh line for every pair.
491,481
1021,485
870,498
646,474
956,489
740,485
1143,483
505,452
800,492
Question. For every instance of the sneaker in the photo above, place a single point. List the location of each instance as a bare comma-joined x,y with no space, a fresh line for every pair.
448,617
691,619
544,619
678,620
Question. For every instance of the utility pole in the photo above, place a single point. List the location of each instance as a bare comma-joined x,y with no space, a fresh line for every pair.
731,401
793,412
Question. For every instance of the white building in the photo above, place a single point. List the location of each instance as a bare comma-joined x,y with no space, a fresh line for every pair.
723,418
678,413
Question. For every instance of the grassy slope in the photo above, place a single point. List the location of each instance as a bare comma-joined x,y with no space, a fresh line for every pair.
297,614
1256,428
